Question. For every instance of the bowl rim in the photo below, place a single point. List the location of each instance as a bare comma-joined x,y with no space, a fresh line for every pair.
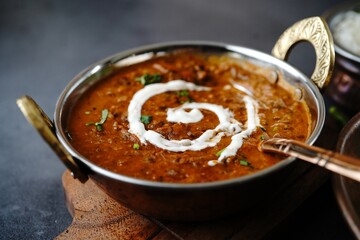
265,58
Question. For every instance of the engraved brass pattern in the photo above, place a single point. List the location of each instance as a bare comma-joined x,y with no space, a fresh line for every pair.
315,31
335,162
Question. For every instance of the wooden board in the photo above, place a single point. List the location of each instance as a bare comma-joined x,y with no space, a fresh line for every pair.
97,216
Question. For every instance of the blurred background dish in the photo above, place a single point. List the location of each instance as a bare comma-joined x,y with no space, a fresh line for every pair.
344,23
348,191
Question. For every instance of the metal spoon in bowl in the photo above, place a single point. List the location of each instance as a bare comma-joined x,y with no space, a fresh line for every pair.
335,162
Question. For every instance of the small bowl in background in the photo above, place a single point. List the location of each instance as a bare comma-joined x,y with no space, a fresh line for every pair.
344,23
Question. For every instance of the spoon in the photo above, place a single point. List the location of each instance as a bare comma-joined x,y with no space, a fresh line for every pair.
335,162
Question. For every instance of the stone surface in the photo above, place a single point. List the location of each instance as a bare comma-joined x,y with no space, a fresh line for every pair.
44,44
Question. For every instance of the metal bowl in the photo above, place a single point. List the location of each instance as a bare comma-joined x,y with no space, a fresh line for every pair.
196,201
348,191
345,86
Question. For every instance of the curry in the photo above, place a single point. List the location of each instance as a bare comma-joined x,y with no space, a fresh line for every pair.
186,117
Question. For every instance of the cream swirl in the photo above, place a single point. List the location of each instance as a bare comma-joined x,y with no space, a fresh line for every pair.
228,125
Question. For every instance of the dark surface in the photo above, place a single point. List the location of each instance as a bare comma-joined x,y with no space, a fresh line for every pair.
44,44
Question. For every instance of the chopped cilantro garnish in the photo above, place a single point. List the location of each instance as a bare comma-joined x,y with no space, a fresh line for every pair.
244,162
99,125
262,137
219,152
183,93
147,79
145,119
136,146
184,96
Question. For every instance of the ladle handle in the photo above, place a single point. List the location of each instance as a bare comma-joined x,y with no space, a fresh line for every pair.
315,31
335,162
41,122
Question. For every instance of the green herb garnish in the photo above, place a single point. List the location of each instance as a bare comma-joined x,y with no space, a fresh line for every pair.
145,119
338,115
219,152
147,79
136,146
262,137
244,162
183,93
99,125
184,96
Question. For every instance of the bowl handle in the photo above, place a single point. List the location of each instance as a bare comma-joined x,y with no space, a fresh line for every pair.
41,122
315,31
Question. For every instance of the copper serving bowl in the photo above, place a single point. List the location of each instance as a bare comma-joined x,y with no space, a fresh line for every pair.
196,201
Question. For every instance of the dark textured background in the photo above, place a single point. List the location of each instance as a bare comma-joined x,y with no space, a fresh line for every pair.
44,44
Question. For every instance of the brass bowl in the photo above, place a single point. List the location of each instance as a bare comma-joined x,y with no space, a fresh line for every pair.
196,201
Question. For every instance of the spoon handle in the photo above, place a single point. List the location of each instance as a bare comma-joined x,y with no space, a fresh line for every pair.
335,162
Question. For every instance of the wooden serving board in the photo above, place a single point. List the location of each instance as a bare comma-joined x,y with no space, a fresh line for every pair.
97,216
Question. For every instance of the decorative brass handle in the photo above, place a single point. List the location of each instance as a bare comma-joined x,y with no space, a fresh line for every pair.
315,31
343,165
39,120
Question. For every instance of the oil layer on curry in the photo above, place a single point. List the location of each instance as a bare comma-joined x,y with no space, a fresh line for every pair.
186,117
